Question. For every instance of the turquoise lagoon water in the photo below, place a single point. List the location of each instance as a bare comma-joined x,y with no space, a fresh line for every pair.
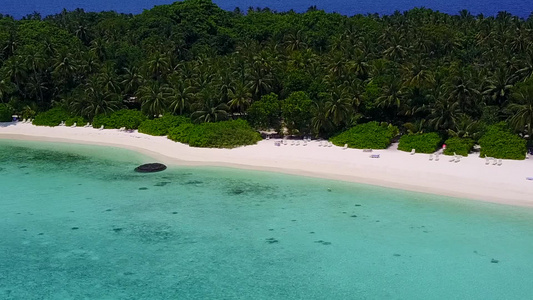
77,223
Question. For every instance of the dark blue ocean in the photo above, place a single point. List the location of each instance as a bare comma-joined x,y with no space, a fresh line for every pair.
522,8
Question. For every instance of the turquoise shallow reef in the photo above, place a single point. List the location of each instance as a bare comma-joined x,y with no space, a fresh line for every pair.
78,223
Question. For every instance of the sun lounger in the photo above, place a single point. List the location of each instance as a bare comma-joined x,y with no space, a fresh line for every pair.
330,144
374,156
499,162
413,151
87,125
62,123
457,158
101,127
487,160
345,147
437,157
73,125
431,157
495,162
367,150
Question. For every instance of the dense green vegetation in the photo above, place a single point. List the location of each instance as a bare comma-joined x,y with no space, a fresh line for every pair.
313,73
52,117
79,121
225,134
371,135
161,126
499,142
422,142
5,113
128,118
459,146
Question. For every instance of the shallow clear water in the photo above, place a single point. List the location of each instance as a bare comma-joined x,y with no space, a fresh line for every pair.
78,223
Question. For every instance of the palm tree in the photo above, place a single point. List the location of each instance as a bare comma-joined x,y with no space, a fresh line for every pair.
94,101
210,110
6,87
131,80
393,95
338,105
466,127
295,41
522,108
499,86
259,80
65,67
444,114
154,98
16,71
182,95
158,65
320,123
240,98
462,91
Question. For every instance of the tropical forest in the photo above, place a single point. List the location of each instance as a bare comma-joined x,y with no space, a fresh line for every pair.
191,68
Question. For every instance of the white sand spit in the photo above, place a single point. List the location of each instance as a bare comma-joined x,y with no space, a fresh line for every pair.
470,178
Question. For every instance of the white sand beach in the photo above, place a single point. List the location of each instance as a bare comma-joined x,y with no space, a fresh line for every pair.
470,178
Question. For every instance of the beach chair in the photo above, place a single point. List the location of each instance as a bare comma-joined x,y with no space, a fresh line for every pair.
292,143
431,157
495,161
499,162
62,123
413,151
437,157
367,150
345,147
457,158
297,143
374,156
73,125
320,144
487,160
122,129
305,143
330,144
87,125
101,127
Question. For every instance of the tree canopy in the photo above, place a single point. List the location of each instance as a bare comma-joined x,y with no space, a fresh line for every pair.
329,72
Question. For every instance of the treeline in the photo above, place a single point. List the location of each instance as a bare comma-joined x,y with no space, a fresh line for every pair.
313,73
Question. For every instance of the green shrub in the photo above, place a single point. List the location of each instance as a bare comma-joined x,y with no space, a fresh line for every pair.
422,143
227,134
129,118
161,126
181,133
460,146
52,117
78,120
499,142
371,135
5,113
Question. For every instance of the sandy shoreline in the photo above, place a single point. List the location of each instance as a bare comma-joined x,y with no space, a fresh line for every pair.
470,178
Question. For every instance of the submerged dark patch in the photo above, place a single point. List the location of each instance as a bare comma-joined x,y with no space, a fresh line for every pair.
150,168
